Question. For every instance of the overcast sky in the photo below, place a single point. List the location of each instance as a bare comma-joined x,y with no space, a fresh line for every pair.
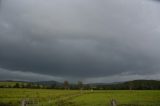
88,40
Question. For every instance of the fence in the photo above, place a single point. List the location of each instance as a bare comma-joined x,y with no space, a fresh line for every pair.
30,102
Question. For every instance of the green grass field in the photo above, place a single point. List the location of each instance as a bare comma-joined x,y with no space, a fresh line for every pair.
50,97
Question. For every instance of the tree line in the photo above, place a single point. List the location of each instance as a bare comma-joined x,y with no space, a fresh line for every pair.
130,85
65,85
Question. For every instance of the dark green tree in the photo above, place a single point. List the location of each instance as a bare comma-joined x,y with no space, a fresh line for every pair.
80,85
16,85
66,84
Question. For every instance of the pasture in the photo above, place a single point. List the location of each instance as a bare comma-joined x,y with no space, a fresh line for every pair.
50,97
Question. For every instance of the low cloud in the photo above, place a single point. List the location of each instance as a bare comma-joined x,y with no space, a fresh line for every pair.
25,76
122,78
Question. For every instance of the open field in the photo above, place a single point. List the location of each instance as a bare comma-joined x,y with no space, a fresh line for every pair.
45,97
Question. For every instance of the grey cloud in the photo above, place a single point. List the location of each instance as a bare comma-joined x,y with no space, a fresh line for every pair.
80,39
25,76
122,77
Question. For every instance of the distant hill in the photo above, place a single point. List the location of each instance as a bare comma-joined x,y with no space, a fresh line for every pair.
143,84
132,85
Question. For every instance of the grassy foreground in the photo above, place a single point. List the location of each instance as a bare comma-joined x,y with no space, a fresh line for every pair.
50,97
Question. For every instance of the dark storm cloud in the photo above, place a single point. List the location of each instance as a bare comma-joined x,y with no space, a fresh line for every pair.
156,0
80,39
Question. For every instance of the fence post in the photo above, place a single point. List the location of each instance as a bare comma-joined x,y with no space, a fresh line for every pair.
113,102
23,102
